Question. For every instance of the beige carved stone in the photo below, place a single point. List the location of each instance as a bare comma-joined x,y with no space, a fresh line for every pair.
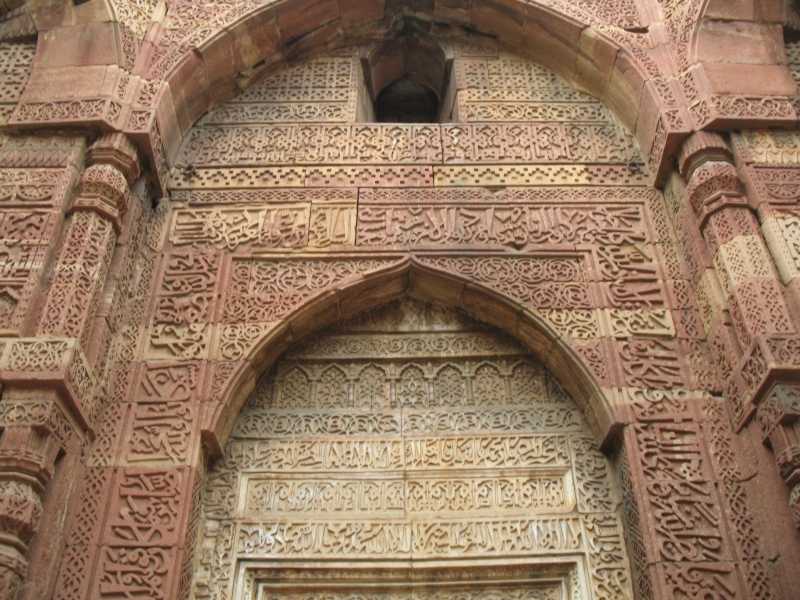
412,432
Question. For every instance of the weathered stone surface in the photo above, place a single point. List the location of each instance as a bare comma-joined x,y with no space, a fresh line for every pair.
241,322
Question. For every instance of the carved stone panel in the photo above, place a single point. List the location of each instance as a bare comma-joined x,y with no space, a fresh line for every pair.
411,432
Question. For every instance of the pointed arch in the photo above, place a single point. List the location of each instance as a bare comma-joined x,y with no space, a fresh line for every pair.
590,48
411,277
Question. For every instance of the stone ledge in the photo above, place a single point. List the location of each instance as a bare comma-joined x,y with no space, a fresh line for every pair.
769,360
53,364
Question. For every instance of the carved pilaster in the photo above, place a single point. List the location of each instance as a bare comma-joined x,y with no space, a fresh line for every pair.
755,298
48,398
88,241
50,390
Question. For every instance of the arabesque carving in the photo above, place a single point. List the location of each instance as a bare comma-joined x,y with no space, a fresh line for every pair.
409,451
471,453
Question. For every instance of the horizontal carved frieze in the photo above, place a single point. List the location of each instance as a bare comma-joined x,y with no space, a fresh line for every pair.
514,225
304,111
512,492
594,195
472,111
265,196
281,227
427,382
417,453
517,175
422,144
421,345
440,538
257,424
524,78
405,176
318,455
528,591
324,73
256,177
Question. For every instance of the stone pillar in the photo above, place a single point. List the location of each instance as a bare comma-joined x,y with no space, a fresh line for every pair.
88,241
748,285
49,397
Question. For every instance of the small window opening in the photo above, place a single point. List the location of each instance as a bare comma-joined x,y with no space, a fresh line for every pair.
407,101
406,80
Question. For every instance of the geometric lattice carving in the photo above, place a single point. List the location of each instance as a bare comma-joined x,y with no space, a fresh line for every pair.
373,440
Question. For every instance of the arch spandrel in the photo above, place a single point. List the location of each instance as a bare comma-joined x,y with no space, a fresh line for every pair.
584,52
339,215
279,226
605,48
448,289
421,466
154,327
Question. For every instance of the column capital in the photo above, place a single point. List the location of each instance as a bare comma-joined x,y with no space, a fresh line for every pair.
118,151
714,185
700,148
105,191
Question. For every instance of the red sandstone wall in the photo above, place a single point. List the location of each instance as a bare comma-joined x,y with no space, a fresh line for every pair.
132,334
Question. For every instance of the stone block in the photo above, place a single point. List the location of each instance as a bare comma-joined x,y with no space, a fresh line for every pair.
493,307
725,225
297,18
218,62
573,374
76,574
624,93
359,12
552,41
170,382
736,42
421,9
61,83
771,187
710,298
307,46
648,118
378,286
80,45
131,571
537,335
749,80
503,18
596,60
451,11
759,307
432,285
135,491
254,39
599,358
54,364
725,10
741,259
189,88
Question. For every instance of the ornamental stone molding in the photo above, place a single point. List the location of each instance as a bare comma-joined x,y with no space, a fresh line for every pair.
661,70
345,300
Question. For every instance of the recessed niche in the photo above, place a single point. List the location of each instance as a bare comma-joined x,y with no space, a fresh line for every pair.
406,79
407,101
